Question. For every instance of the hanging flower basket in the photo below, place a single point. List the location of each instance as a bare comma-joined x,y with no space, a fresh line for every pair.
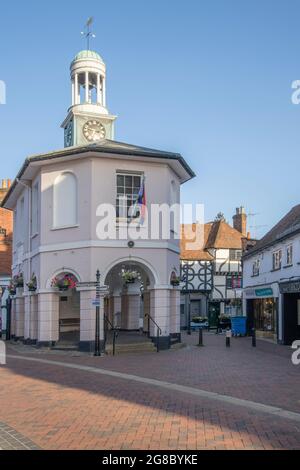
18,280
31,288
175,280
12,288
64,283
130,276
32,284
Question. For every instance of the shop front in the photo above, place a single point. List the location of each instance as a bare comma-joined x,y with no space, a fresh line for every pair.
291,311
262,311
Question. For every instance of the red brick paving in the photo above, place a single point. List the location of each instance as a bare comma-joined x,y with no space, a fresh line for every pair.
60,408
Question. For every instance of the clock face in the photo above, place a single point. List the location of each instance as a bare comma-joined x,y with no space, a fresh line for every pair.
69,134
93,131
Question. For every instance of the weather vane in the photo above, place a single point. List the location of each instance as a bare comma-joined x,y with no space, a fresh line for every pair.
87,33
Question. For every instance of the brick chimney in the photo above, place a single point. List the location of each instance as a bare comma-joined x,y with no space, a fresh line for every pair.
240,220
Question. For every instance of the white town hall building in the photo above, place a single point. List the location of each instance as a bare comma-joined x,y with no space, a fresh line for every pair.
56,246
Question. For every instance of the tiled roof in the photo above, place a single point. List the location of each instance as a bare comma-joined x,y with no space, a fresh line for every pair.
198,252
216,235
222,235
286,227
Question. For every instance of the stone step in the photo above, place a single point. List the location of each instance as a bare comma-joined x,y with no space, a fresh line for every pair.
65,347
131,348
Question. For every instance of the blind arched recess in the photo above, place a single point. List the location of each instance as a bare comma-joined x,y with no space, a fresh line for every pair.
65,200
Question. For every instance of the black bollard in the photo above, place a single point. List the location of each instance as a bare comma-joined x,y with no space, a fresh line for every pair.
200,337
228,336
253,337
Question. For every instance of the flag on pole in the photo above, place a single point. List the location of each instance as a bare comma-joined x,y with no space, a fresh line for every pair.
140,203
142,200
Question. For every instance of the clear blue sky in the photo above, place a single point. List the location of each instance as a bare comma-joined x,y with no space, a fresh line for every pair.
210,79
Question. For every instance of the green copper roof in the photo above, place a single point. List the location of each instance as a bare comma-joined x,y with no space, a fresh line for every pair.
88,55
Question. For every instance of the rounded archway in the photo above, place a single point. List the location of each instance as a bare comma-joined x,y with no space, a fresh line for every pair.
128,303
60,273
133,263
64,283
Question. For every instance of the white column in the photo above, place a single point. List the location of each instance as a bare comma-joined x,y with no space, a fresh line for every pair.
98,89
33,329
104,91
73,92
27,316
160,312
88,319
48,318
175,310
76,96
20,313
146,309
124,311
134,307
117,309
13,317
86,87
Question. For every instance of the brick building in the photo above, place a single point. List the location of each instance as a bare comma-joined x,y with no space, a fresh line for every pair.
6,230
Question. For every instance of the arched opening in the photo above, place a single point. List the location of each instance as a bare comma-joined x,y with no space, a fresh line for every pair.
65,200
127,305
69,308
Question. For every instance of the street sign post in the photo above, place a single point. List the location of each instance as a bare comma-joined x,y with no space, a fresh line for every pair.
97,304
97,332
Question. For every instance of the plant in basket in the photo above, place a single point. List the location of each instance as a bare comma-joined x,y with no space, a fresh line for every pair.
130,276
18,280
64,283
32,284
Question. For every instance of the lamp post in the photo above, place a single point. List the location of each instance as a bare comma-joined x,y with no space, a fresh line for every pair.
97,330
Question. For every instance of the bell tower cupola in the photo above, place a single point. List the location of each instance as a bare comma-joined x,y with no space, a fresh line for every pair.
88,120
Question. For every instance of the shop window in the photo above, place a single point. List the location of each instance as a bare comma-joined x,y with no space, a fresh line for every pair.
277,256
265,314
289,255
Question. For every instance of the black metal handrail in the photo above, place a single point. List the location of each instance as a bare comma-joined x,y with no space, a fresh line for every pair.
158,330
115,333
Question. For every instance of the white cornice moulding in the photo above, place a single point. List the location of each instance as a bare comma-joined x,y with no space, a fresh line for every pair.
102,244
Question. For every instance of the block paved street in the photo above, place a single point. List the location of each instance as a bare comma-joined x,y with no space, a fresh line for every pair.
188,398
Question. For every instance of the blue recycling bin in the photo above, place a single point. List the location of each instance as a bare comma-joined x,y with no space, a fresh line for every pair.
238,326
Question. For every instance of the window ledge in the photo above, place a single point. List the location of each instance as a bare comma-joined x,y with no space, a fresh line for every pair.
288,266
126,223
275,269
65,227
34,235
255,275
